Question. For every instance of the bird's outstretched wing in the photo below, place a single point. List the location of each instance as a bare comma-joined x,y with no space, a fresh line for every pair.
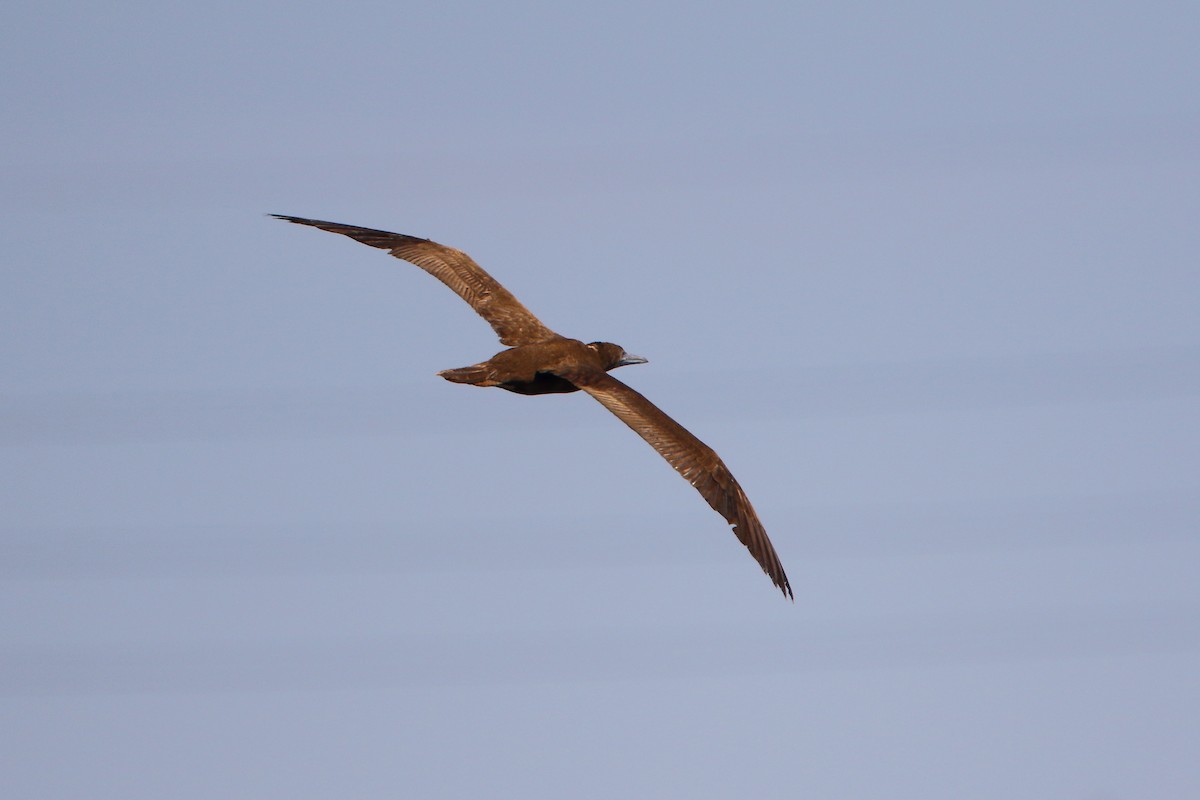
513,323
691,458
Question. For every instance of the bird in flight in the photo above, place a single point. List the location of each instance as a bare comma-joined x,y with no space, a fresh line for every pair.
540,361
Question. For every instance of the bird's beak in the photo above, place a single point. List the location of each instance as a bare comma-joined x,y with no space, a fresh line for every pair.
627,359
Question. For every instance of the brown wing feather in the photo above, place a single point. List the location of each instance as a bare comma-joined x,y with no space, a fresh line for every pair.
513,323
691,458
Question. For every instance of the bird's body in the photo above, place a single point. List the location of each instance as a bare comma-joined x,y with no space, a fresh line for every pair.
538,368
540,361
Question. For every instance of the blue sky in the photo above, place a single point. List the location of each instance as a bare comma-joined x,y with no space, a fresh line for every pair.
925,276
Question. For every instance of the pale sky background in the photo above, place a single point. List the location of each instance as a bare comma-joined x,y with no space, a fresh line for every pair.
925,274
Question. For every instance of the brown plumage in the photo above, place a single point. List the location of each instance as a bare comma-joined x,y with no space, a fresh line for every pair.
540,361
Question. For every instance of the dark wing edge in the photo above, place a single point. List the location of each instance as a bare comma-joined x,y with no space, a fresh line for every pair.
695,461
512,322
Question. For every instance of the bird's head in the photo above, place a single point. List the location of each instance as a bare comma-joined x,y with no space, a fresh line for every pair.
615,356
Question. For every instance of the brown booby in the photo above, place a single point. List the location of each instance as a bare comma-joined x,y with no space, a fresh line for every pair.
540,361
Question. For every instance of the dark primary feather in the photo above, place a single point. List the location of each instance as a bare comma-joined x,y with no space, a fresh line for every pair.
513,323
693,459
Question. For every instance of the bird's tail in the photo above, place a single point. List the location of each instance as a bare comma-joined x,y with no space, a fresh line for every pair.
476,375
